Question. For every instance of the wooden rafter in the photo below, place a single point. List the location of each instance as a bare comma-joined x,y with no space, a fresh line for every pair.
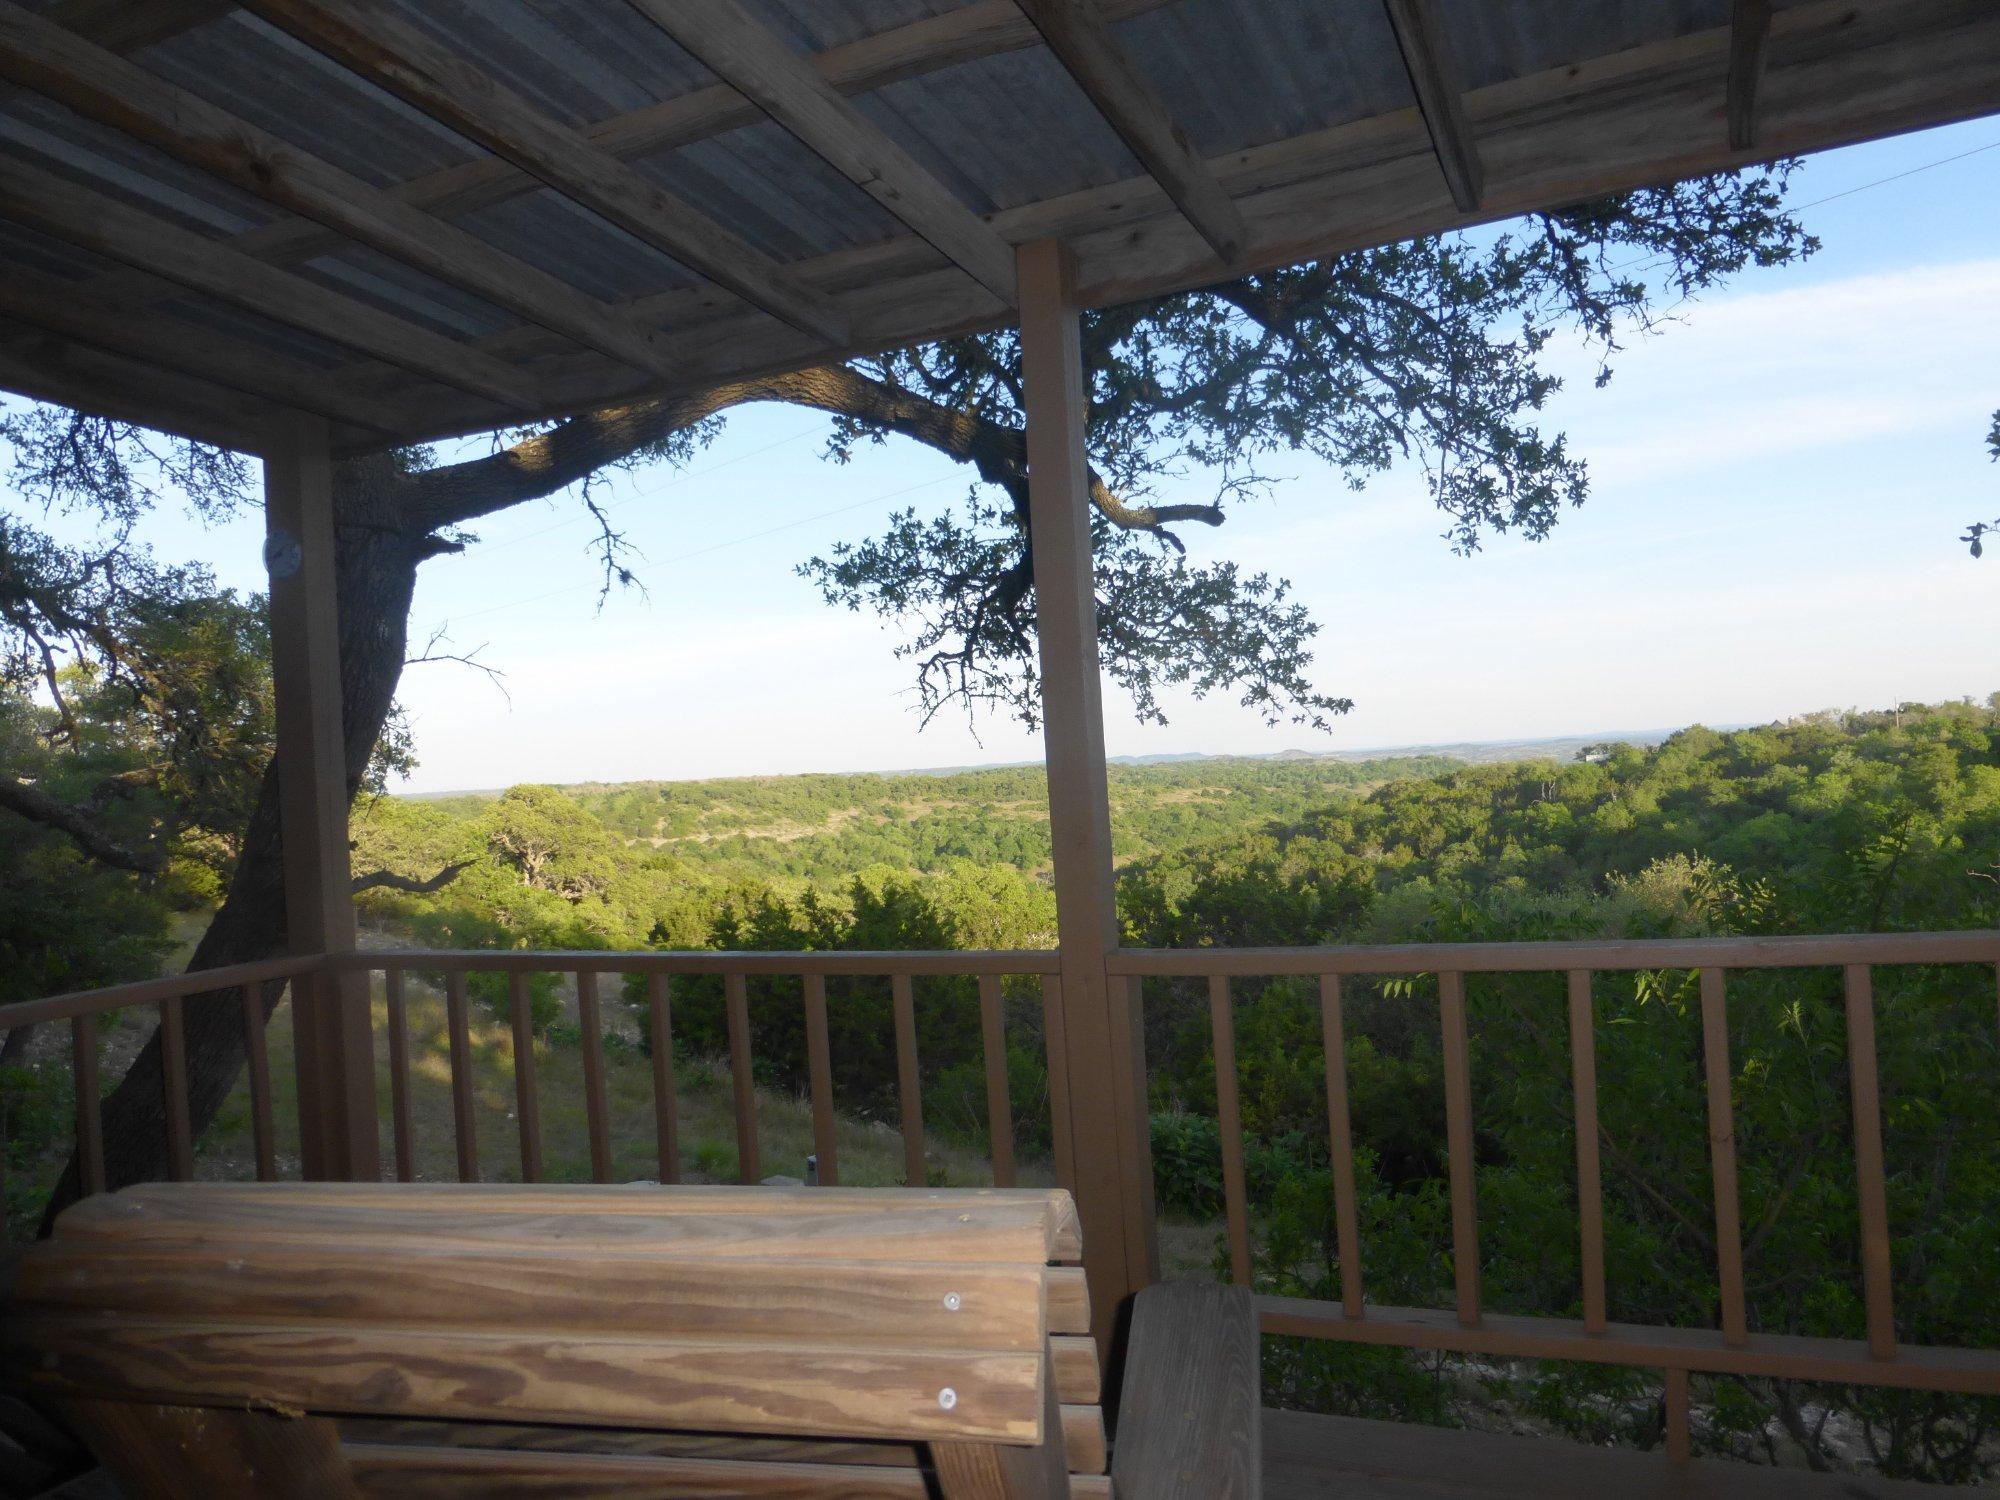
1440,97
175,343
750,57
127,25
1749,35
50,368
369,41
1339,189
984,28
105,87
98,222
1080,38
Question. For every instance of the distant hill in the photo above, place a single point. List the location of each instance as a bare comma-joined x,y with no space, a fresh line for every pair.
820,826
1472,752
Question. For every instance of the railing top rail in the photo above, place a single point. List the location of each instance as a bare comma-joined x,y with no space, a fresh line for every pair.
874,964
1981,946
151,991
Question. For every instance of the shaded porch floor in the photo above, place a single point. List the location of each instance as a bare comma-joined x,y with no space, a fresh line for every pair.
1348,1458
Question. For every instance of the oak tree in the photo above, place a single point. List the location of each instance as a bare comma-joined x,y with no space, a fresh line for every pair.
1434,351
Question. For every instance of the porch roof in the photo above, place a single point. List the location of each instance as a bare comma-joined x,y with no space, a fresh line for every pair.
420,219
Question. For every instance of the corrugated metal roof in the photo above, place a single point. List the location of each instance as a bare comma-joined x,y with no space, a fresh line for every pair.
1010,133
816,25
1494,40
1002,130
1305,65
280,85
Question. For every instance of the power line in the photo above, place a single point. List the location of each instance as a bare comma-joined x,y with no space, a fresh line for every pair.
1860,187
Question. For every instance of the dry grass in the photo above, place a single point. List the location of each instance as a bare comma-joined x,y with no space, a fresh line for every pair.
871,1153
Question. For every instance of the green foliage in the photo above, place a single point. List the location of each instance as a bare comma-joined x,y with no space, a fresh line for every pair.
1863,822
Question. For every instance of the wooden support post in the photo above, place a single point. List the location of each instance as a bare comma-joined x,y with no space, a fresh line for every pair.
1102,1049
334,1042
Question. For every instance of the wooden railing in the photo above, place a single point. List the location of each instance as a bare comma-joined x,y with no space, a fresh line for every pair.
1731,1348
169,994
660,971
904,971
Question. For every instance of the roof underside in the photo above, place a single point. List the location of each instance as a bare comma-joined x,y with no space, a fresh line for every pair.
428,217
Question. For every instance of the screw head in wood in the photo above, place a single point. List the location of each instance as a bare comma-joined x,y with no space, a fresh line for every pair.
952,1302
947,1398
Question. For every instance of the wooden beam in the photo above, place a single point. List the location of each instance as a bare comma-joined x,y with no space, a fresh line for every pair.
1603,125
1081,40
369,41
330,1011
1440,96
1101,1038
750,57
103,86
1749,38
45,367
101,223
128,25
984,28
127,326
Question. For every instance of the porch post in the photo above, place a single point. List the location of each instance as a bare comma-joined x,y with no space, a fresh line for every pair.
1101,1048
334,1042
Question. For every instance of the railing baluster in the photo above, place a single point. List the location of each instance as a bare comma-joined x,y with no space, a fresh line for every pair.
819,1064
1458,1146
398,1022
1058,1064
459,1025
174,1090
909,1092
1865,1093
1680,1444
666,1103
737,995
89,1117
1340,1136
257,1051
1589,1173
590,1020
999,1112
527,1091
1722,1154
1229,1120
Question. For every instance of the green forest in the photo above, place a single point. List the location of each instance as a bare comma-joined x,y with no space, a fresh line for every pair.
1835,822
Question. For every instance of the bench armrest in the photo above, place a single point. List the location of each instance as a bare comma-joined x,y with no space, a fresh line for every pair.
1189,1414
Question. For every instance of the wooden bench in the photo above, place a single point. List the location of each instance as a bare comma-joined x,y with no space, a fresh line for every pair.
347,1339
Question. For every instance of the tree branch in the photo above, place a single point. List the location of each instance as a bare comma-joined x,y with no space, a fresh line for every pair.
29,801
384,880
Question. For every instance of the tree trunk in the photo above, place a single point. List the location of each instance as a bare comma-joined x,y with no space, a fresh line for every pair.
376,563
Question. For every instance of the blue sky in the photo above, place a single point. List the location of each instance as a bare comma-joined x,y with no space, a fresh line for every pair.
1779,479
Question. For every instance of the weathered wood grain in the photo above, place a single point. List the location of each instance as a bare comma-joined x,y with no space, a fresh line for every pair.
999,1233
153,1450
1189,1413
868,1304
740,1387
415,1473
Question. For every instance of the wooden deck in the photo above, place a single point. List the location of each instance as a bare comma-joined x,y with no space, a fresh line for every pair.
1346,1458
